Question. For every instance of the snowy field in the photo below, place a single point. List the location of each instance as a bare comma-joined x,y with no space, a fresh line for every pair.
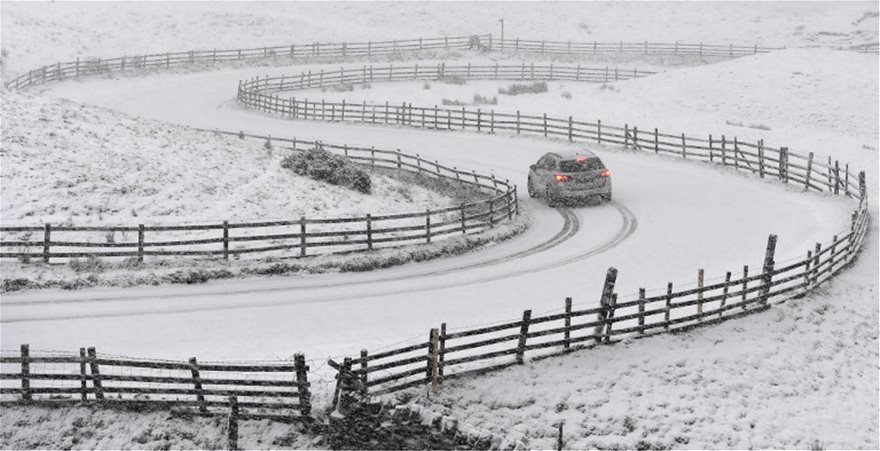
669,217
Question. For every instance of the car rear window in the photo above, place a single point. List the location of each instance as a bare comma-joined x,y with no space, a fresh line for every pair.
588,164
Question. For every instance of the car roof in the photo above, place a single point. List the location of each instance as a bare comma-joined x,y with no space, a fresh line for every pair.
572,154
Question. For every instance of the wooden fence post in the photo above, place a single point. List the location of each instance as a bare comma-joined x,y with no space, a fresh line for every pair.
232,424
302,236
570,129
429,364
724,293
656,140
96,374
567,332
364,367
599,131
831,256
428,225
47,238
836,177
523,334
302,382
816,260
197,384
441,355
809,171
761,157
783,164
807,271
769,263
684,153
463,225
604,301
700,274
140,242
435,353
641,310
609,325
745,288
666,314
545,125
862,186
84,390
25,372
369,231
711,150
723,150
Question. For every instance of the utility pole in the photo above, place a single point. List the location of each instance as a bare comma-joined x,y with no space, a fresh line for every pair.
502,33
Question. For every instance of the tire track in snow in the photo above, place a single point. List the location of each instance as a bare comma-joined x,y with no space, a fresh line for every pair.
569,229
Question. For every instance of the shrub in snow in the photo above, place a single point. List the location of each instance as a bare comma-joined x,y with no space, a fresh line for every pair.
517,89
566,95
89,264
455,80
324,166
480,100
453,102
426,86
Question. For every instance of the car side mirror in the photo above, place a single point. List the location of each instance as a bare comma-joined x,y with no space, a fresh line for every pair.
532,167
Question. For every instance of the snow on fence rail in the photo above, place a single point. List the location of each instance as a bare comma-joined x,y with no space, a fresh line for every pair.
296,237
275,390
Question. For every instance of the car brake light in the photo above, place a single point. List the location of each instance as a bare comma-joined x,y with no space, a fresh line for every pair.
562,178
605,173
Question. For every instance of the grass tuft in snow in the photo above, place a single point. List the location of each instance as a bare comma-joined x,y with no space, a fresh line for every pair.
529,88
324,166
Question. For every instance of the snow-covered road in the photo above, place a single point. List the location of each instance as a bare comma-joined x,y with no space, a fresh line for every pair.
668,219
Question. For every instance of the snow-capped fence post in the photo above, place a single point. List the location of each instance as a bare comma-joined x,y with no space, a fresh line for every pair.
836,177
831,256
723,150
369,232
47,238
83,384
365,356
668,306
232,424
197,384
302,385
769,263
302,236
808,271
809,171
609,317
641,310
745,287
761,158
604,301
684,153
523,335
428,225
783,164
463,225
711,152
656,141
25,373
441,354
566,346
724,293
140,242
700,280
96,374
435,351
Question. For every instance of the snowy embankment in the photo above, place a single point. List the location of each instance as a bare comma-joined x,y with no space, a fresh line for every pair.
94,427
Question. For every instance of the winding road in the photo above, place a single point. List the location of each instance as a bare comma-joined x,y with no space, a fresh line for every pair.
668,219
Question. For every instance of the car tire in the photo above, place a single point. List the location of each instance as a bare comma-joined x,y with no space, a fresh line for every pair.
532,192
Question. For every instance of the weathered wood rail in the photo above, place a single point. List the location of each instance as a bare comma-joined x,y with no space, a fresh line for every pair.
274,390
298,237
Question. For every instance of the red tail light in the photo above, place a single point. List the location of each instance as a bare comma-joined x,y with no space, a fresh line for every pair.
605,173
562,178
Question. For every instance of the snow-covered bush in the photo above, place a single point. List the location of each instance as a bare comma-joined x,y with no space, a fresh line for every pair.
517,89
321,165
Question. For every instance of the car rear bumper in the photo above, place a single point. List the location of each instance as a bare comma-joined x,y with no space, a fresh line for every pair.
580,193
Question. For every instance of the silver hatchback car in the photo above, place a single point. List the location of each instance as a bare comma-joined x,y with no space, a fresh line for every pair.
576,175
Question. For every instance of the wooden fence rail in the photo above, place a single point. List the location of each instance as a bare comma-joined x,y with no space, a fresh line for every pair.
276,390
297,237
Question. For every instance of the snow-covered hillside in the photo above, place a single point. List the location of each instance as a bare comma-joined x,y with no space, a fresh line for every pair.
87,165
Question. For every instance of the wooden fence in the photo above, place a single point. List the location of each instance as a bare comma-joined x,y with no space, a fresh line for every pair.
450,354
626,48
295,237
92,66
275,390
